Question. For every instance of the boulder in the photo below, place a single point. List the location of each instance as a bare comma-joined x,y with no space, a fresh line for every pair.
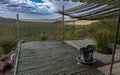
1,73
51,37
4,66
3,58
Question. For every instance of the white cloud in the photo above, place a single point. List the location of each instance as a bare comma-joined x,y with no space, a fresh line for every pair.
25,8
29,6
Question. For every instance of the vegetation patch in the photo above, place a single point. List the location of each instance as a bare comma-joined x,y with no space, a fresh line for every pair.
7,45
72,35
102,31
103,40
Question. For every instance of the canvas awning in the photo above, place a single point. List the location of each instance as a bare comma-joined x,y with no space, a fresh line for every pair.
94,9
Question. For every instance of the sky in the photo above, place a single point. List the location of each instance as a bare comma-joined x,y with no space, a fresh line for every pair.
33,9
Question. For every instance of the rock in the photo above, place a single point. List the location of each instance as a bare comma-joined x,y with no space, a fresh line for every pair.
1,73
23,41
3,58
4,66
51,37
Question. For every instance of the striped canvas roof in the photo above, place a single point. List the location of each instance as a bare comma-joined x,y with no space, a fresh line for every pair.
94,9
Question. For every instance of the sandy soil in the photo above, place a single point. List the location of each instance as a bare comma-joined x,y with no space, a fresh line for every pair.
83,22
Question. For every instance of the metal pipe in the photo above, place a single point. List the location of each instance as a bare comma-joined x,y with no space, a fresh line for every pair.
115,42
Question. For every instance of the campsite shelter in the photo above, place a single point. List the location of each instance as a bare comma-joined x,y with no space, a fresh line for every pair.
90,10
96,10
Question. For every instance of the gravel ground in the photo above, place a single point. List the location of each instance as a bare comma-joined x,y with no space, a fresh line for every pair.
106,59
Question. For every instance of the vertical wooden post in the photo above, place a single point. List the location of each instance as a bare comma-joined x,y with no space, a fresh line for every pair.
63,24
18,46
18,28
114,48
73,24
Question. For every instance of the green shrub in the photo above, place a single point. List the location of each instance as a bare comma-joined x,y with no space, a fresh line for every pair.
69,35
1,51
118,40
58,35
103,40
72,35
7,45
39,37
111,23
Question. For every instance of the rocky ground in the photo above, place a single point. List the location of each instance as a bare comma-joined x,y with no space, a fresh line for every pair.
6,65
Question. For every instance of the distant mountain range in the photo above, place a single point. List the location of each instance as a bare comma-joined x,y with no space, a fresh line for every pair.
6,20
36,20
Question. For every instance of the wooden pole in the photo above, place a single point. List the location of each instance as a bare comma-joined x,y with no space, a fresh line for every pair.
18,28
63,24
18,46
73,24
114,48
